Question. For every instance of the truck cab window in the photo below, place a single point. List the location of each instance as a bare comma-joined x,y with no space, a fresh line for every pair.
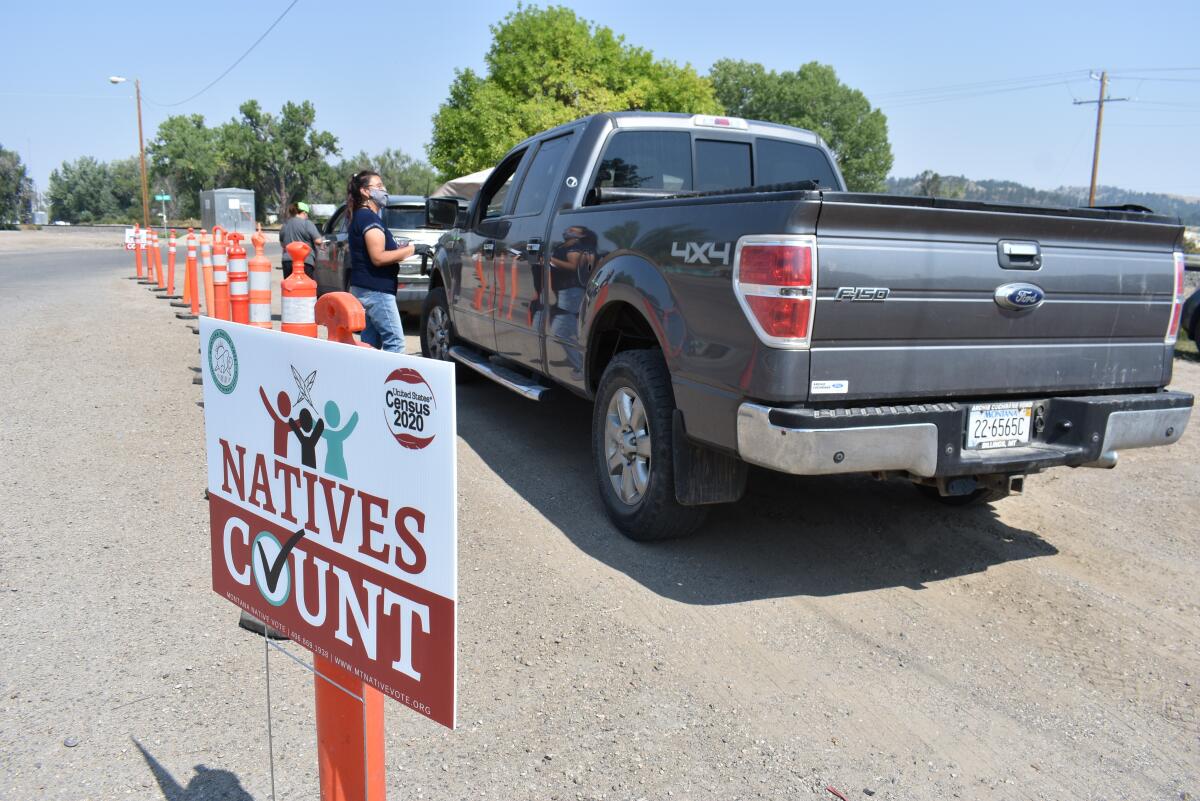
782,162
647,160
541,178
494,194
722,165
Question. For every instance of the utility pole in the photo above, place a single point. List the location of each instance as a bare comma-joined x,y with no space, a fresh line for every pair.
141,148
1100,101
137,82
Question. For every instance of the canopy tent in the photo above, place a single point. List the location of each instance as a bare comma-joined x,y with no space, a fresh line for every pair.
465,186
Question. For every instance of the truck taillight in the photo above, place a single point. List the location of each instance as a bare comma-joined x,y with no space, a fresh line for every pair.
1176,300
774,278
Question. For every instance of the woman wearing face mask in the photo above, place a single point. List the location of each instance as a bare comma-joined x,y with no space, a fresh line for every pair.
375,261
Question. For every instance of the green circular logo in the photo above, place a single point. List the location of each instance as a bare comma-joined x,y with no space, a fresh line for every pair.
222,361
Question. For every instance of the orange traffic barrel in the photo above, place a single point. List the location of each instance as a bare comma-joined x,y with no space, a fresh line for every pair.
260,283
220,274
158,265
239,281
299,295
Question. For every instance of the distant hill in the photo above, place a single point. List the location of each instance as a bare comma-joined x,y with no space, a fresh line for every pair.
959,186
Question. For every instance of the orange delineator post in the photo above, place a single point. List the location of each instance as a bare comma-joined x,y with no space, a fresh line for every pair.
220,274
349,731
144,255
260,283
299,295
239,281
189,272
158,267
137,254
206,265
171,264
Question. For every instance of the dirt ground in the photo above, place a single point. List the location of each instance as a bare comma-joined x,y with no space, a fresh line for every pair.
822,632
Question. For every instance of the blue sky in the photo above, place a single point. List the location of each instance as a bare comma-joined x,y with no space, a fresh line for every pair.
377,72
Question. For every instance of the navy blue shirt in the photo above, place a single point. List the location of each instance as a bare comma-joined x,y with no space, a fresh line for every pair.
363,272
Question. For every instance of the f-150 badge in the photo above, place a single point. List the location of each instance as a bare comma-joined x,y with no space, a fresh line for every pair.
701,252
876,293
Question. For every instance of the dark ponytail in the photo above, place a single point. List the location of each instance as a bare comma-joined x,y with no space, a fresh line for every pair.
354,198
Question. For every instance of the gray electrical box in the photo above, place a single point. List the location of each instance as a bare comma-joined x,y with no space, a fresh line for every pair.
232,209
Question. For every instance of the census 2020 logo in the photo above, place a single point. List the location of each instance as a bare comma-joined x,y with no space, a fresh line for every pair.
222,361
409,407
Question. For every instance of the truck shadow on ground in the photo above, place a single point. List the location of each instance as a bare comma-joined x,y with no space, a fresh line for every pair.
206,785
788,536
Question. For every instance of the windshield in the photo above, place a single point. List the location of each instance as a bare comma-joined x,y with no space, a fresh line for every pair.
405,217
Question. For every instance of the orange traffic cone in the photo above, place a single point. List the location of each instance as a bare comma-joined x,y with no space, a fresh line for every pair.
260,283
299,295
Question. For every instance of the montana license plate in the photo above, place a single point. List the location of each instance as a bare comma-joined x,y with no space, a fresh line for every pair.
999,425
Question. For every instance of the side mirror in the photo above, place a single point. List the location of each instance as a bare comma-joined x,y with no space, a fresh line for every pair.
441,212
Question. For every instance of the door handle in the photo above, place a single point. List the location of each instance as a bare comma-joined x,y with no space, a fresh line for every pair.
534,246
489,248
1018,255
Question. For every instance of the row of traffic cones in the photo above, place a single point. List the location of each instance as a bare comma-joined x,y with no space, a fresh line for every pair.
232,287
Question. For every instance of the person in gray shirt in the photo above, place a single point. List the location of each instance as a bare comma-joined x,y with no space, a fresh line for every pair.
299,228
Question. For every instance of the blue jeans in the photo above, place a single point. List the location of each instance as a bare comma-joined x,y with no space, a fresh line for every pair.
384,329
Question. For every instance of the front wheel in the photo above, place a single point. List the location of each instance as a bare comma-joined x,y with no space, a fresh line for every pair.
632,449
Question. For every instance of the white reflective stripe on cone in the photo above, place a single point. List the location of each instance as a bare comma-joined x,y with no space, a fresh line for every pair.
260,313
220,276
238,288
260,279
299,310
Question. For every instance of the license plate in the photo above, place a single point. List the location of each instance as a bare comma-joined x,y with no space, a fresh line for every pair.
999,425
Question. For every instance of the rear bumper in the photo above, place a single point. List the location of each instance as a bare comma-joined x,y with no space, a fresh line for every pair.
927,439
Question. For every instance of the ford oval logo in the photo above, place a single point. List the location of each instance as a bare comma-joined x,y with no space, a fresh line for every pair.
1019,297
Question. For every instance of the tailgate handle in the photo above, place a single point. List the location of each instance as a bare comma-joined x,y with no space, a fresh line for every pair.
1014,255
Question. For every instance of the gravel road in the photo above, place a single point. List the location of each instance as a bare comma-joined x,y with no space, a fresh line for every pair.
822,632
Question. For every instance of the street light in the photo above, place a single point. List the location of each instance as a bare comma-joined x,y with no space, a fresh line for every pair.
141,148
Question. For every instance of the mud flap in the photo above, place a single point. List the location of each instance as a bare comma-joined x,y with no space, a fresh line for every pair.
704,475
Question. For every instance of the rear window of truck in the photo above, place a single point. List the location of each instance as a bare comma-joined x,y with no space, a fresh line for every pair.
781,162
663,160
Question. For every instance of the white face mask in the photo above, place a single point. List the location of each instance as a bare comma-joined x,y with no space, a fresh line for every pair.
379,197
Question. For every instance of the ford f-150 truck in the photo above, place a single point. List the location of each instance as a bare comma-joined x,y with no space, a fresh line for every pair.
712,286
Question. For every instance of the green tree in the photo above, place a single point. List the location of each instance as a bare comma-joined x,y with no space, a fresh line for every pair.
812,97
281,158
80,191
546,67
184,154
16,188
401,173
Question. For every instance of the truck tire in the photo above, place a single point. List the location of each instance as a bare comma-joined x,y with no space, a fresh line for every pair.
632,449
437,333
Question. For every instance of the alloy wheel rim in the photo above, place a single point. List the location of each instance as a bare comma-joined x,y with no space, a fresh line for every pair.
437,332
627,446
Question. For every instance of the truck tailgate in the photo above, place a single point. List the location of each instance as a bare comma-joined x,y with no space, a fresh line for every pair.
908,303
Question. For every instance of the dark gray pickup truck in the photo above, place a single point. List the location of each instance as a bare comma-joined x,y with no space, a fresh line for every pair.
711,285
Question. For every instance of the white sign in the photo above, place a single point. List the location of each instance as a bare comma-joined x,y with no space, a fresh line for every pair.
332,486
130,239
235,204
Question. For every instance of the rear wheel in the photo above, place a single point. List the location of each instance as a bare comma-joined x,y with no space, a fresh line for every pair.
632,449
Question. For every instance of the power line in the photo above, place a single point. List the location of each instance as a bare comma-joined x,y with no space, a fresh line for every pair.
921,101
216,80
908,93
